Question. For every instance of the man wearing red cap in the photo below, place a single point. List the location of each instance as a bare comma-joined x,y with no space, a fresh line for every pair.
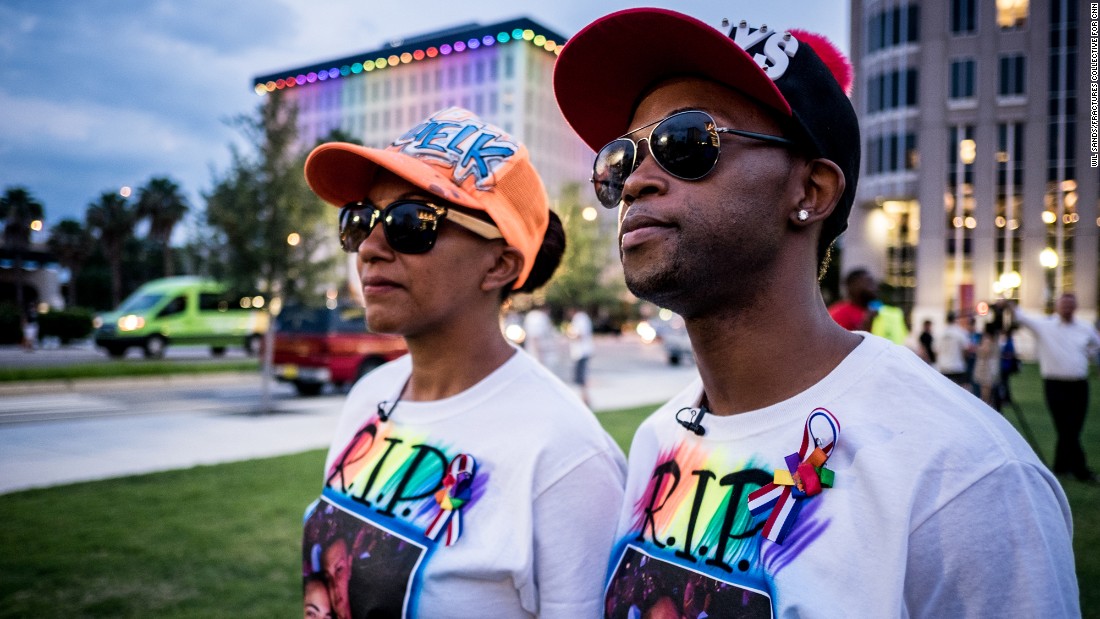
733,157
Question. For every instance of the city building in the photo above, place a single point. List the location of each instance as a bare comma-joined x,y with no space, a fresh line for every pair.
979,180
501,72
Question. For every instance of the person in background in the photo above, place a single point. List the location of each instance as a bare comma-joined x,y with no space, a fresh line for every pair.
804,453
862,310
30,330
974,337
952,349
1065,347
1010,364
927,343
854,311
482,481
581,347
987,365
540,333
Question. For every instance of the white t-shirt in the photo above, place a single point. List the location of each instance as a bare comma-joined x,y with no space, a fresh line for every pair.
544,498
938,507
951,349
580,331
1064,348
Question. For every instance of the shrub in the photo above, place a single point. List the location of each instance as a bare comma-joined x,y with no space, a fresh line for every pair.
11,328
66,325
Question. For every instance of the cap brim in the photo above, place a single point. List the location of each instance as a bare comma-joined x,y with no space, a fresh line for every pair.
603,71
341,173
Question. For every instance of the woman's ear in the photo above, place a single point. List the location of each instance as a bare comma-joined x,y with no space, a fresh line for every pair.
824,184
505,270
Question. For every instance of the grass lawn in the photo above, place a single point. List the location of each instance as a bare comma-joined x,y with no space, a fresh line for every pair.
223,541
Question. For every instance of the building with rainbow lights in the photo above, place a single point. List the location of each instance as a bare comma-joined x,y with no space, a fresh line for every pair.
502,72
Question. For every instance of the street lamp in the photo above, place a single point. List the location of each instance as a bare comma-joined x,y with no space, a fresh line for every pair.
967,150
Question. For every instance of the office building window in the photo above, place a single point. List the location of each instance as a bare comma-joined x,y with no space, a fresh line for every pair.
1012,78
1062,92
959,197
893,27
964,16
892,90
962,79
892,153
1012,14
1008,218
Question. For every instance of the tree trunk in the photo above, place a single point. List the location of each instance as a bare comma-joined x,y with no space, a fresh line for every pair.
167,256
20,276
116,282
70,294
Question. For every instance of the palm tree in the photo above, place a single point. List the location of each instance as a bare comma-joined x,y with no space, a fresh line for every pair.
161,201
72,244
114,221
18,209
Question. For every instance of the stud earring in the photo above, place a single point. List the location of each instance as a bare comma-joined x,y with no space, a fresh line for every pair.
803,214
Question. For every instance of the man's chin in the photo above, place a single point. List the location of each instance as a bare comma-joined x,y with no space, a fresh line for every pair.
657,288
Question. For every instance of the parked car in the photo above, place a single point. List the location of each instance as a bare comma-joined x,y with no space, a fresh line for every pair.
315,346
181,310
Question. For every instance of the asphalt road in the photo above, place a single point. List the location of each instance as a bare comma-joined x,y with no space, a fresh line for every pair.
70,431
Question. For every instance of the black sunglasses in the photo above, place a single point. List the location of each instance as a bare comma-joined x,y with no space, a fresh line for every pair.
684,144
410,226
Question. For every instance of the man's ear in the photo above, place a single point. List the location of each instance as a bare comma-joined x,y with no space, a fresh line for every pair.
824,184
505,270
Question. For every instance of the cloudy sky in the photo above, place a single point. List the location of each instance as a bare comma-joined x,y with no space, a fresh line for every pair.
100,94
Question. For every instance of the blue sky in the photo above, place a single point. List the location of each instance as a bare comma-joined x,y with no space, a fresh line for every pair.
100,94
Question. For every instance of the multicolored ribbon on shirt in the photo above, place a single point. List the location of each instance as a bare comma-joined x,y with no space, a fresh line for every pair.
454,494
805,477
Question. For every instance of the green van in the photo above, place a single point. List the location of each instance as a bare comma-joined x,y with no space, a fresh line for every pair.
182,310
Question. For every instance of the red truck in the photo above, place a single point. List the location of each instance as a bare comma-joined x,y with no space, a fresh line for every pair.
315,346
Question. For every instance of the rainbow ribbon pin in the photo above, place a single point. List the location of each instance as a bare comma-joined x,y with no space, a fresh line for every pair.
804,478
454,494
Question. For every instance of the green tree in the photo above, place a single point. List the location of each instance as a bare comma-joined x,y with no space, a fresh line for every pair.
261,204
72,244
162,202
18,209
586,276
112,219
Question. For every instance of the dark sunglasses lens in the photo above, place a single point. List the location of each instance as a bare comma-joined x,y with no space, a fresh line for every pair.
410,227
686,145
613,165
354,227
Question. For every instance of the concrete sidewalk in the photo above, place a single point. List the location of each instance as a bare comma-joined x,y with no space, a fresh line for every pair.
51,453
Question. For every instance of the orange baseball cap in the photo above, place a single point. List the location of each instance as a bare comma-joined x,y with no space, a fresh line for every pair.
455,156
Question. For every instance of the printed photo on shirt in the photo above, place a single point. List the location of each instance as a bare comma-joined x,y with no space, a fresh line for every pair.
645,587
366,569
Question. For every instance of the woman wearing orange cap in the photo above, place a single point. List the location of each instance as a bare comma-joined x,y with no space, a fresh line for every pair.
465,480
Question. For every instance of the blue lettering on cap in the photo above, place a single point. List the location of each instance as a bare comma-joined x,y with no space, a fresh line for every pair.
457,139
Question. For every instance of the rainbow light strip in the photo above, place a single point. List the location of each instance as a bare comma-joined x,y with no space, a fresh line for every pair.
414,54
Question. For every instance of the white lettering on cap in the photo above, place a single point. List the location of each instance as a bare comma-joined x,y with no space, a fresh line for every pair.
777,52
